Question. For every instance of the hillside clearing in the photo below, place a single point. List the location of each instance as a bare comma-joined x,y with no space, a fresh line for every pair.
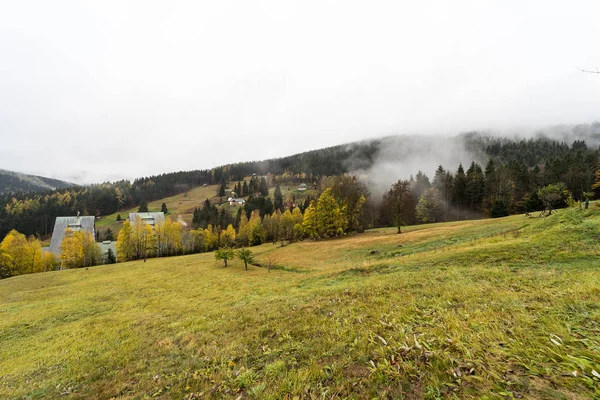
503,308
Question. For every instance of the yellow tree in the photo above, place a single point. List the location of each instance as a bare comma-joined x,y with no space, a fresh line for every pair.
255,229
143,239
228,236
309,223
17,250
125,247
243,230
5,264
71,250
173,236
211,240
286,227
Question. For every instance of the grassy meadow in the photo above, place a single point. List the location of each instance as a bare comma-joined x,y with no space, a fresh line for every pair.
505,308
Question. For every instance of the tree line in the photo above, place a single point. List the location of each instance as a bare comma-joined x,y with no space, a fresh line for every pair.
34,213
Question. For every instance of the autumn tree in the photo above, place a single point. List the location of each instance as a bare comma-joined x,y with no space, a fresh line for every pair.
309,224
286,226
227,236
6,264
125,246
21,255
352,195
255,229
78,249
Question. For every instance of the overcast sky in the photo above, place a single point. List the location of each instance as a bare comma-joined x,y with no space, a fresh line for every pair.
93,91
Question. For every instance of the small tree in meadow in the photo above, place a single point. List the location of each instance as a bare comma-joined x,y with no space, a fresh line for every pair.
224,254
246,256
163,208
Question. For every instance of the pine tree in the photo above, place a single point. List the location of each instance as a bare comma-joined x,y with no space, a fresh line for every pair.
263,187
118,217
110,257
460,188
245,189
108,235
221,191
143,206
164,209
278,199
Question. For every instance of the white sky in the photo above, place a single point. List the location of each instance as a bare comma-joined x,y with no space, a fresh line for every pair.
91,91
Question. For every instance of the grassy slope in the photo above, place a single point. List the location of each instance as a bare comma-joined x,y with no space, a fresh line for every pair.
181,205
492,307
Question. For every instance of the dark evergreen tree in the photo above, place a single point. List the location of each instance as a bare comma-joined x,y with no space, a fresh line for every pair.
460,189
475,189
278,199
163,208
110,257
143,206
263,187
108,235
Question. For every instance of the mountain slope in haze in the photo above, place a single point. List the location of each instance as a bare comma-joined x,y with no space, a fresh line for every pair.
17,182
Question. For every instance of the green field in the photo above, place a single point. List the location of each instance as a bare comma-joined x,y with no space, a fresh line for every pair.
506,308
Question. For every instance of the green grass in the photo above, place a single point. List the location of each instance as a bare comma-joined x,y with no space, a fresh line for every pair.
505,308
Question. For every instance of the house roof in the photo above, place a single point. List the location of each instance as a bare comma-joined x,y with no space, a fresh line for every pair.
151,218
86,224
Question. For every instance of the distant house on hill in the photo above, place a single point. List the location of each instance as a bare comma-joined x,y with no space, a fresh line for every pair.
234,202
75,224
302,187
150,218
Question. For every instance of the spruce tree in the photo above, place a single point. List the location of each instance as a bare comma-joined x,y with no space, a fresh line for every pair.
143,206
263,187
278,199
108,235
163,208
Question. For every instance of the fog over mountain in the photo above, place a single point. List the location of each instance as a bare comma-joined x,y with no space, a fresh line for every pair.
109,90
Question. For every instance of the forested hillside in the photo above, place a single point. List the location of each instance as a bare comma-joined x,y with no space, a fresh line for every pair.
499,176
17,182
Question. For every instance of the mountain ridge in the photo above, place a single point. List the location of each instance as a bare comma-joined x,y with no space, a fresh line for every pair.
12,181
